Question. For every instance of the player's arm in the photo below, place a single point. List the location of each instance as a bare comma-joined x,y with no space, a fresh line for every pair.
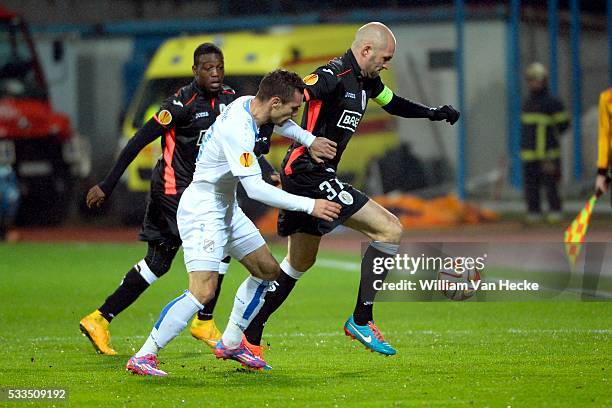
320,148
268,171
259,190
398,106
145,135
321,83
172,113
238,151
293,131
561,117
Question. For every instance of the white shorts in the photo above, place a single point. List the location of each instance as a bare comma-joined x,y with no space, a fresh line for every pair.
212,226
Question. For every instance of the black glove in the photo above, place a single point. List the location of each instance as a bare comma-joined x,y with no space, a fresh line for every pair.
263,140
446,112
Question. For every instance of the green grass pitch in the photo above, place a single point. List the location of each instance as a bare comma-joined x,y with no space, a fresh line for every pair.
449,354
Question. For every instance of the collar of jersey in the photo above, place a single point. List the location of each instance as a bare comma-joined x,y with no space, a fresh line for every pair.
204,92
247,107
353,62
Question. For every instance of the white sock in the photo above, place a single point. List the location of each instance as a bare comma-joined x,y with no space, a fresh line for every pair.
223,267
386,247
232,336
249,299
290,270
146,272
172,320
149,347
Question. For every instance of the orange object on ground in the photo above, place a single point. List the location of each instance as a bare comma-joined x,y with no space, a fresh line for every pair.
414,212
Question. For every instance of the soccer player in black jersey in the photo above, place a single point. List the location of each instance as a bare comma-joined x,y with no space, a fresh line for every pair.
336,98
180,122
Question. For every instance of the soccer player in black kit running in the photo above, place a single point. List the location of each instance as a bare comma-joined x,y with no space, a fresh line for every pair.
181,121
336,98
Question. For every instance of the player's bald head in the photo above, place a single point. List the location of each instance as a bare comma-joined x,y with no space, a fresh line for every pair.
373,48
375,34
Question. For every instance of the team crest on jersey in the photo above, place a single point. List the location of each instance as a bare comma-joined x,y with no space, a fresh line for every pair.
246,159
164,117
311,79
208,245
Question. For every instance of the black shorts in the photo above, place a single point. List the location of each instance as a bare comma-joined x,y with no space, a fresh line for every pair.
159,223
318,183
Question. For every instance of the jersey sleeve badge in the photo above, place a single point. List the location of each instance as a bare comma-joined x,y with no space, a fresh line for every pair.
164,117
246,159
311,79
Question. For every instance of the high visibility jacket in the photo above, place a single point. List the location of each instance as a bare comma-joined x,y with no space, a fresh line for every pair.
605,132
543,119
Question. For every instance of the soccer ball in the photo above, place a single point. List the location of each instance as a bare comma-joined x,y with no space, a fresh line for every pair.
458,286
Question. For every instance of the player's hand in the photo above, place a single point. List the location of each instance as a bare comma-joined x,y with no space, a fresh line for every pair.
322,148
446,112
326,210
602,183
95,197
275,179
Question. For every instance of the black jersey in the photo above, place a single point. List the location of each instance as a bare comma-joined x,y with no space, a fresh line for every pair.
185,117
181,121
336,99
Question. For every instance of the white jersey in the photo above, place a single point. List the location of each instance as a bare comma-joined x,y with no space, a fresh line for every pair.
226,149
211,224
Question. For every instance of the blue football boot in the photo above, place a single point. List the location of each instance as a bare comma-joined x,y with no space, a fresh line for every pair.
369,335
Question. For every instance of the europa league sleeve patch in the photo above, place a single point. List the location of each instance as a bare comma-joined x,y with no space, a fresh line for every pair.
246,159
311,79
164,117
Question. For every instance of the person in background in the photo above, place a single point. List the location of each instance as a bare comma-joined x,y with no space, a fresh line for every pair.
602,181
9,201
543,120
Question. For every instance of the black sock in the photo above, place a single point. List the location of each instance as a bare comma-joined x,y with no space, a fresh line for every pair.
209,308
365,297
131,287
282,288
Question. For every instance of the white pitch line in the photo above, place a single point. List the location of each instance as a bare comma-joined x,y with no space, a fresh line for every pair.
334,263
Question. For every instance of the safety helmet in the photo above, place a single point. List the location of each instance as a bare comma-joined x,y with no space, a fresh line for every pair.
536,70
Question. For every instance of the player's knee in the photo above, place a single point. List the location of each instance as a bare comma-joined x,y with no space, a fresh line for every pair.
396,230
392,232
160,256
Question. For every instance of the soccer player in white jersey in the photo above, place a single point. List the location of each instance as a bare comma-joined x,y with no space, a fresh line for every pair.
212,225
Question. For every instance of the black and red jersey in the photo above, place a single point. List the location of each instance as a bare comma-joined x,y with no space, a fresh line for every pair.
336,99
181,121
185,117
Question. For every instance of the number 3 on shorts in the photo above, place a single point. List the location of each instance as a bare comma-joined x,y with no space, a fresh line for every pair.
327,187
